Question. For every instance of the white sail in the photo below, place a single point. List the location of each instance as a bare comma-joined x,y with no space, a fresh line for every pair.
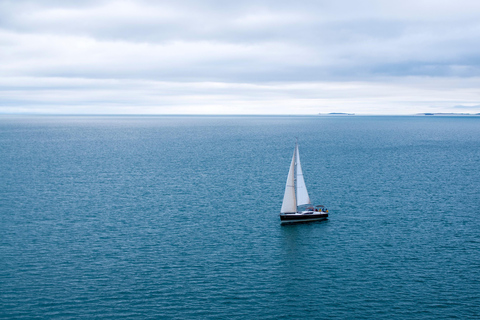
302,193
289,204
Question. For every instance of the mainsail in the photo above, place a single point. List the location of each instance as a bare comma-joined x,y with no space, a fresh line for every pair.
289,204
295,190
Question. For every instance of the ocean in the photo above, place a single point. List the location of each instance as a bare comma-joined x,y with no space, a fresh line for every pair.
176,217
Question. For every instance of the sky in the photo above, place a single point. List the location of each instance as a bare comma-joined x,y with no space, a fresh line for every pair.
239,57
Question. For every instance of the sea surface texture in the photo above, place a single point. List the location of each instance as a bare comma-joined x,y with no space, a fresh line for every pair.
177,218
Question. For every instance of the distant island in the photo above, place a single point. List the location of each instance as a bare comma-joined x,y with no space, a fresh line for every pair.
447,114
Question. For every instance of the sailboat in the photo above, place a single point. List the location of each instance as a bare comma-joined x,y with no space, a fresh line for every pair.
296,206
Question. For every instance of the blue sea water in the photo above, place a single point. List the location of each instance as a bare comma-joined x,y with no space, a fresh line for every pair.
113,217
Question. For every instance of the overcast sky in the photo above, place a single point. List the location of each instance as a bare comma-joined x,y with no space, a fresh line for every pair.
239,57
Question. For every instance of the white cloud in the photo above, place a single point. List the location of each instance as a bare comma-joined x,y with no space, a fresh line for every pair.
392,96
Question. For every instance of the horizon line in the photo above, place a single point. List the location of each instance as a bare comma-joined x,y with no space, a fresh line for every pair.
332,114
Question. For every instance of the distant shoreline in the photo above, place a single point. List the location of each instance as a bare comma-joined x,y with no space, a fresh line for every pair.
447,114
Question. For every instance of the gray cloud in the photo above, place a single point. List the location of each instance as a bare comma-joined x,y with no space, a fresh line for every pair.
237,42
474,107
